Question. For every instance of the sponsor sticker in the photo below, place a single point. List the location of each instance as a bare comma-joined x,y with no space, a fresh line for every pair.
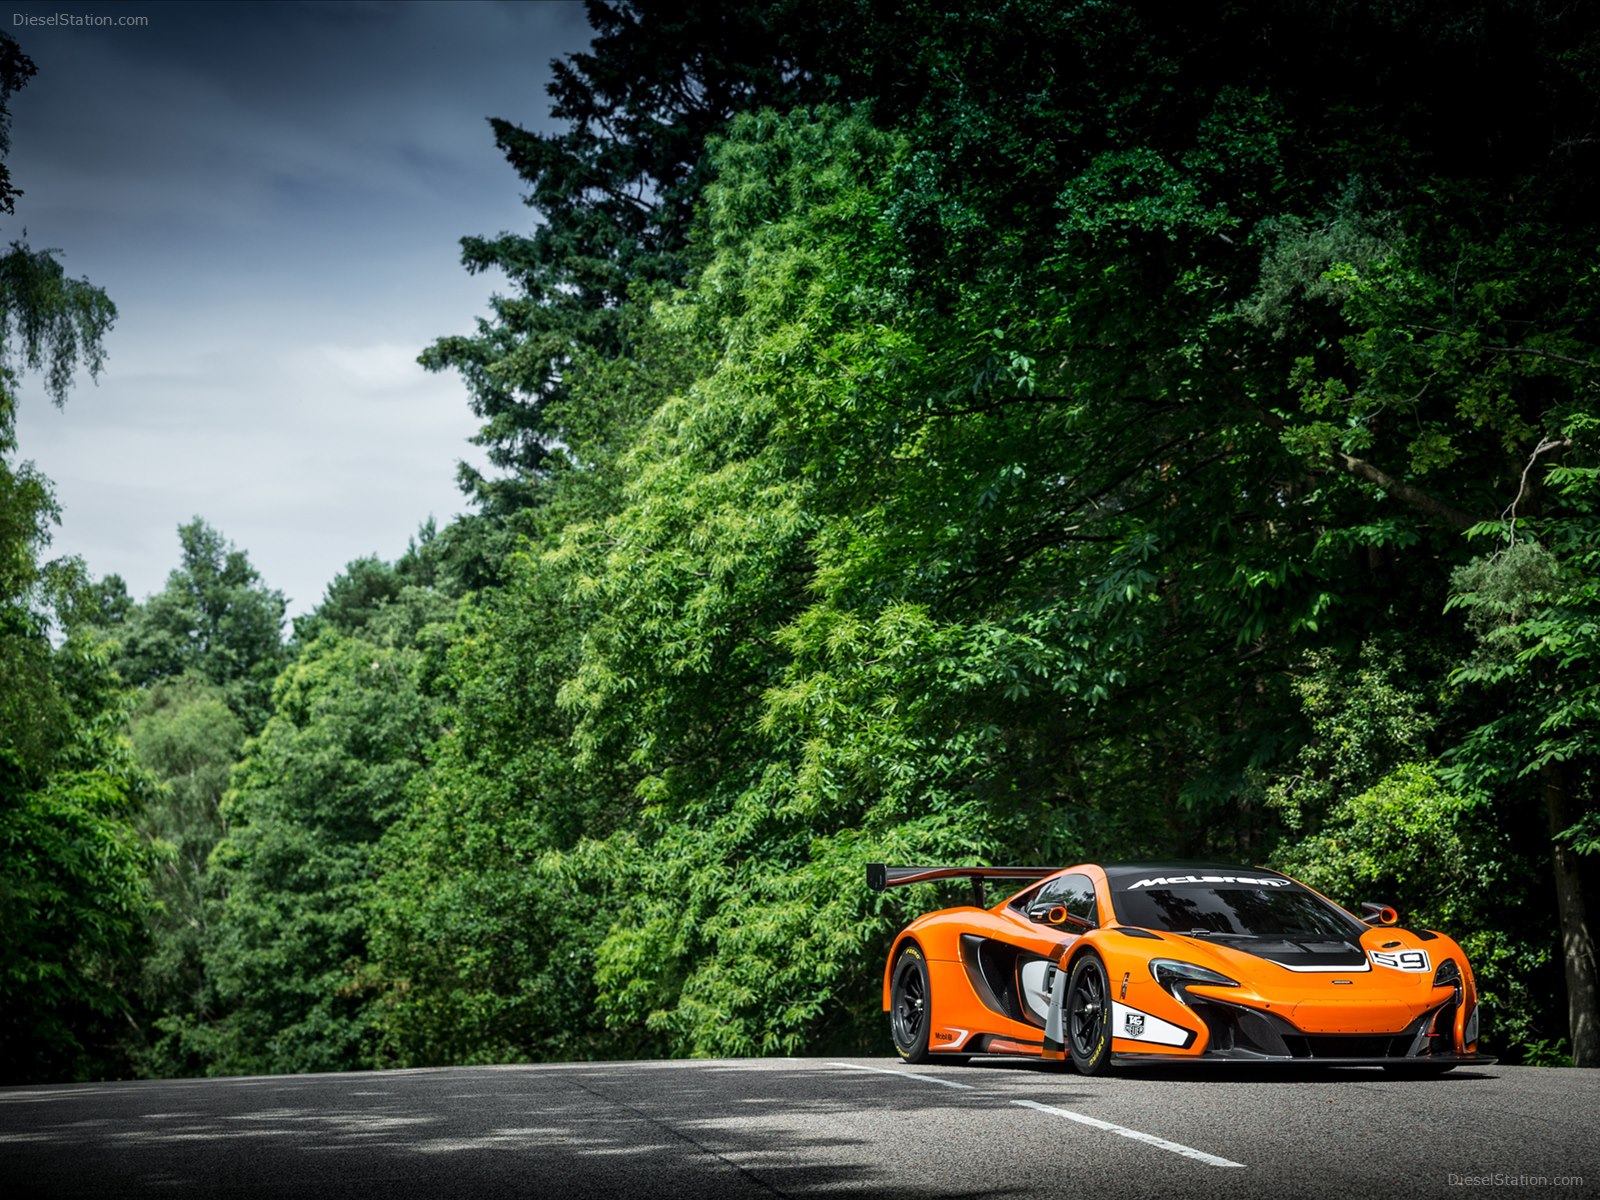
1401,960
1129,1022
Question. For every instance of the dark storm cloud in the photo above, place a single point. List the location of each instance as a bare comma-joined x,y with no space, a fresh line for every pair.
290,106
273,195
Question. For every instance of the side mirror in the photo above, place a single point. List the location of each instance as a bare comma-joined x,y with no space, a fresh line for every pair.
1379,914
1057,914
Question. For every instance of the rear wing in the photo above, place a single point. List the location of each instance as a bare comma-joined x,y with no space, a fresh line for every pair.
881,877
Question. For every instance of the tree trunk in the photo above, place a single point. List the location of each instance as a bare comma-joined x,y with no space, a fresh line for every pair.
1577,940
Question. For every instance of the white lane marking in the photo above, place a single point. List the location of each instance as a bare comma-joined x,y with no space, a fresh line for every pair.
966,1087
1136,1135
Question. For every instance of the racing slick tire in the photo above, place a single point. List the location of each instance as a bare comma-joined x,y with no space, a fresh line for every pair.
909,1009
1088,1016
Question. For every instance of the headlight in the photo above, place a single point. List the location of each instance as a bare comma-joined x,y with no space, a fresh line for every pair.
1172,975
1448,974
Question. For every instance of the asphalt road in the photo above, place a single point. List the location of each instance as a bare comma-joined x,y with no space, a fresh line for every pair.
809,1127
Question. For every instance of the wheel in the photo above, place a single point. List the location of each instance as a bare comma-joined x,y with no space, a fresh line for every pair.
908,1006
1088,1016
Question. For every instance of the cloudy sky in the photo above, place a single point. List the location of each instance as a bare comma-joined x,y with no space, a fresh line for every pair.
272,195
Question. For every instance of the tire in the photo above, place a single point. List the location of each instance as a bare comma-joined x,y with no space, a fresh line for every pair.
1087,1016
909,1009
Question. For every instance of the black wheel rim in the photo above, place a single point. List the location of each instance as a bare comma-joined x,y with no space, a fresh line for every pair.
1087,1006
910,1006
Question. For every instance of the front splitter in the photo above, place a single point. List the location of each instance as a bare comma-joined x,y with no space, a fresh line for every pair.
1265,1060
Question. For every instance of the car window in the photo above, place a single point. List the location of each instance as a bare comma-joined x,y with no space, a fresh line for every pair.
1283,911
1075,893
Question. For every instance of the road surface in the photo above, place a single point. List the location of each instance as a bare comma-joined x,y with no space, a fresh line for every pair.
810,1127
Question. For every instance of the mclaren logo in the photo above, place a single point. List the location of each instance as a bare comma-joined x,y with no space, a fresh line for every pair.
1170,880
1133,1024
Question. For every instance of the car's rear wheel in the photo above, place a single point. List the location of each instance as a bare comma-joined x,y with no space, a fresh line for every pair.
909,1009
1088,1016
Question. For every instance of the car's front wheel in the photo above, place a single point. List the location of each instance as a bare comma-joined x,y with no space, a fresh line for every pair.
1088,1016
908,1005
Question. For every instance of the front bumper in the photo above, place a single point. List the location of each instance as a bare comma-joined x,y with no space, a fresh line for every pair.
1242,1034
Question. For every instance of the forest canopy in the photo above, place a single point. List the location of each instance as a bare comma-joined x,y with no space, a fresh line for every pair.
1037,433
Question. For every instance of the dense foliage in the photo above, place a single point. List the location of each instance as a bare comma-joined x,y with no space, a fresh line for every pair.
1032,432
74,888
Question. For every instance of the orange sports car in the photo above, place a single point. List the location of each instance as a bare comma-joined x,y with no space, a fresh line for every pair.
1173,962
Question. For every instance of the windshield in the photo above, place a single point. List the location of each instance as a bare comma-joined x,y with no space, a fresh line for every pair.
1236,910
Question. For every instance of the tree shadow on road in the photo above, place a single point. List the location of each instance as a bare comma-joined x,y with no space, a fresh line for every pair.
658,1129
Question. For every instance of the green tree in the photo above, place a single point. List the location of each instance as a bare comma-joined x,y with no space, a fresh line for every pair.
1379,818
1535,606
216,619
187,738
74,891
72,870
615,195
285,947
1011,448
370,595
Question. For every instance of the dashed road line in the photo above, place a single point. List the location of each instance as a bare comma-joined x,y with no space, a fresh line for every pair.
1149,1139
966,1087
